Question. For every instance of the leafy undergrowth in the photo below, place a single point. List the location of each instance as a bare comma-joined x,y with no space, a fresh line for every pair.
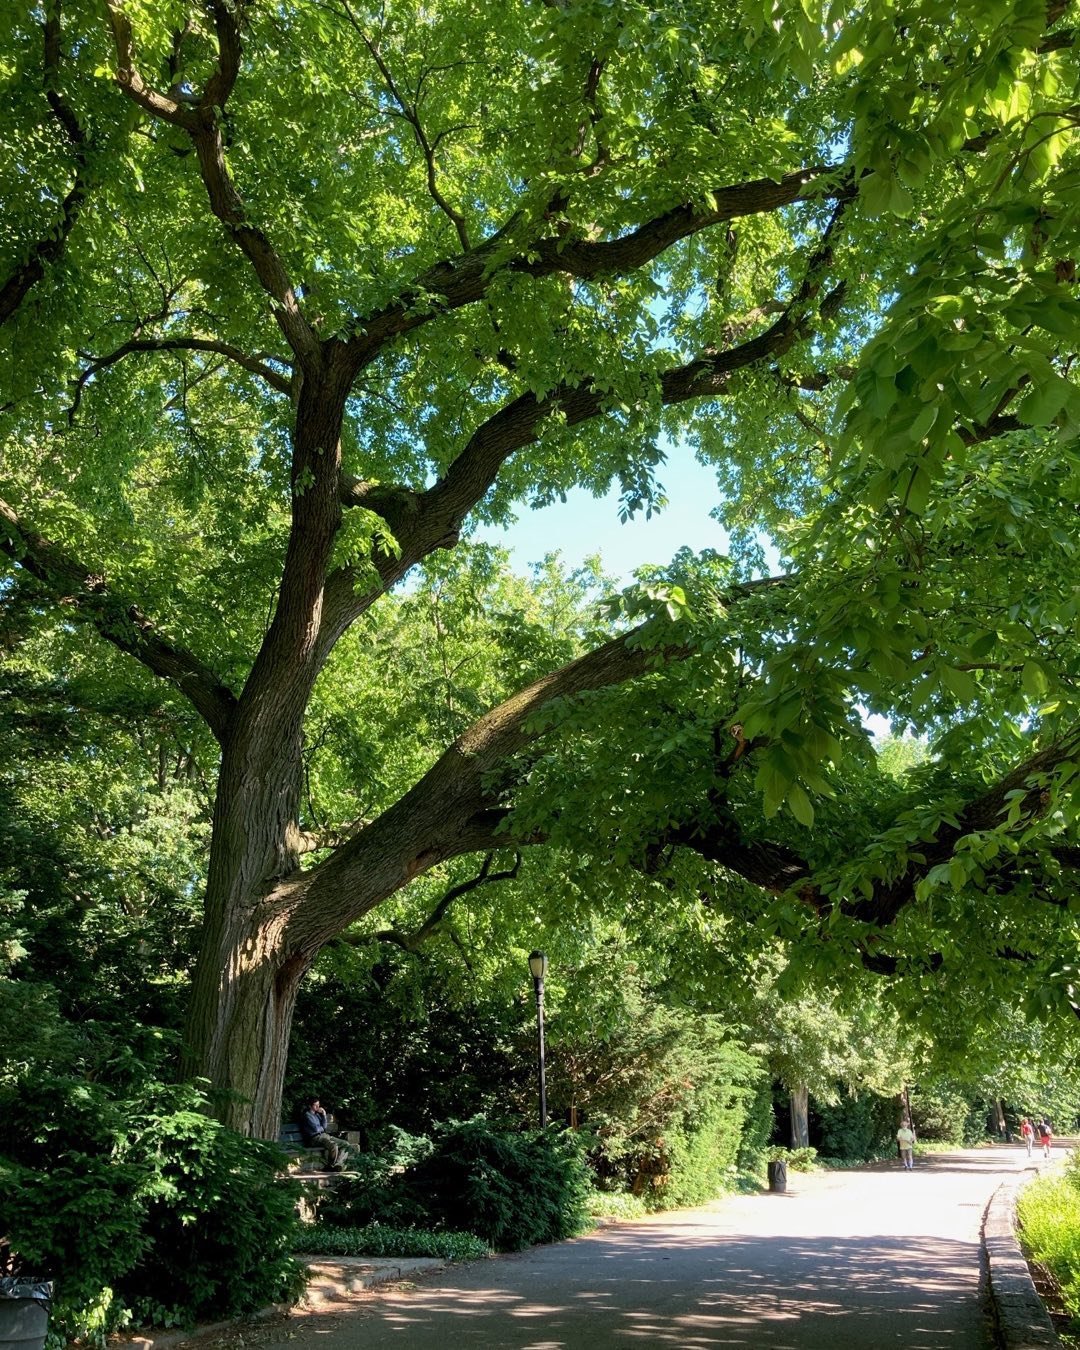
376,1239
1049,1213
797,1159
616,1206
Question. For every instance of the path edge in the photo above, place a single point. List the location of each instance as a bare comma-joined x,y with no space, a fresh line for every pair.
330,1278
1020,1315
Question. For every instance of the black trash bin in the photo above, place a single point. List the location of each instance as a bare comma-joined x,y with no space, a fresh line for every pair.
25,1304
778,1176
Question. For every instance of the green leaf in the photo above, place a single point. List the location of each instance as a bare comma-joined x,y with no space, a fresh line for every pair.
801,806
1034,680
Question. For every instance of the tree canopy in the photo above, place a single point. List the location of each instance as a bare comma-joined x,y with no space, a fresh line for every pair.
293,297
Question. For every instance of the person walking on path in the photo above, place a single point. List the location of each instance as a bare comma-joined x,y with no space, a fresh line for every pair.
905,1142
314,1125
1046,1136
1027,1133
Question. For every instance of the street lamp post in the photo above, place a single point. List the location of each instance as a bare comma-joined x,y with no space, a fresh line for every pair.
538,969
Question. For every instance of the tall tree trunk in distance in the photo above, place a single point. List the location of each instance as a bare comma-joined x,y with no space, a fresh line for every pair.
800,1117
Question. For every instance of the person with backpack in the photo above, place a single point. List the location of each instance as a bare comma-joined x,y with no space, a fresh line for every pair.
1046,1136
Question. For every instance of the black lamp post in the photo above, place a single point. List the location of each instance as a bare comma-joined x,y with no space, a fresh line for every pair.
538,969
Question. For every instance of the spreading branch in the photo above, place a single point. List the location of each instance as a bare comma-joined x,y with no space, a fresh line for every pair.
254,364
89,597
454,283
412,942
450,811
779,869
425,521
46,251
202,119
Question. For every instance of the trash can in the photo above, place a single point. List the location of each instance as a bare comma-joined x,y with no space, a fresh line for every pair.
25,1304
778,1177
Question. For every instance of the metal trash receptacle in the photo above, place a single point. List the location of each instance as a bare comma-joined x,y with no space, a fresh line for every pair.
778,1177
25,1305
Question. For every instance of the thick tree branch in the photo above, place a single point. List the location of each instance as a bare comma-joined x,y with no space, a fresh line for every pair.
202,120
47,250
166,109
254,364
439,817
423,522
462,281
433,519
88,597
778,869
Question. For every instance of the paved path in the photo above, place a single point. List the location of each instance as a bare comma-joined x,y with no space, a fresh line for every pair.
853,1260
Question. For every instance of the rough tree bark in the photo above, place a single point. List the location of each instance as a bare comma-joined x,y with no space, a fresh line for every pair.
800,1117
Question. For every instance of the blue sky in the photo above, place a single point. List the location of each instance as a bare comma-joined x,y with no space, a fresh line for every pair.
582,525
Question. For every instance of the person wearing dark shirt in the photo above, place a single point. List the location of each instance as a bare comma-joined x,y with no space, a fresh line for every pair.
314,1127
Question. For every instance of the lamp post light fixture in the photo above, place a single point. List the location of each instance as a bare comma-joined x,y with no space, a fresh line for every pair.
538,969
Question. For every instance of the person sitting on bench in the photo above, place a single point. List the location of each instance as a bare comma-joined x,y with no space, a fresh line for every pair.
313,1126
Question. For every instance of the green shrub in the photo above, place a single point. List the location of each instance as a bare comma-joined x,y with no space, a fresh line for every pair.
76,1223
70,1208
1049,1213
616,1205
668,1098
375,1193
757,1127
699,1150
141,1209
797,1159
218,1222
513,1189
857,1128
941,1113
380,1240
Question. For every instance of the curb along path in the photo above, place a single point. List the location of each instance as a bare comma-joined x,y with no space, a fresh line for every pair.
334,1285
1022,1320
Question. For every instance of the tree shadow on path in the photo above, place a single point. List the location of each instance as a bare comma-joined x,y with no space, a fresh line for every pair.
776,1293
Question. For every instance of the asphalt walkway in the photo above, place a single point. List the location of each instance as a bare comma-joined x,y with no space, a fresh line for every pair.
854,1260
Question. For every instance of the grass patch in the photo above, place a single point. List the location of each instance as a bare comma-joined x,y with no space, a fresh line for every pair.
375,1239
1049,1213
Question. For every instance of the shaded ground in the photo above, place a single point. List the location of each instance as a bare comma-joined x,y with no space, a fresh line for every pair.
866,1258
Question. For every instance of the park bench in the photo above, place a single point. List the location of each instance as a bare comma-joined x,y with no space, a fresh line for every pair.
304,1161
306,1166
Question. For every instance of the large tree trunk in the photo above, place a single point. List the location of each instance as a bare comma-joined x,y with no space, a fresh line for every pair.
239,1024
265,919
247,972
250,960
800,1117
